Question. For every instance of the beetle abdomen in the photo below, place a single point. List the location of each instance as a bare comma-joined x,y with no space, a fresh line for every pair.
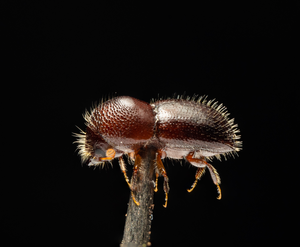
195,126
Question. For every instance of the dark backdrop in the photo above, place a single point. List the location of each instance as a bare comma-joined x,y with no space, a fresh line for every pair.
64,57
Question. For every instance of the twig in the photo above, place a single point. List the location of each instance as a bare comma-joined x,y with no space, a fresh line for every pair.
138,221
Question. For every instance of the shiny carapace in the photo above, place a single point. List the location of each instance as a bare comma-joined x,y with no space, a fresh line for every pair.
193,129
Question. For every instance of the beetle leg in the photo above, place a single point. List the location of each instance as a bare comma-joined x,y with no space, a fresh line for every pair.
200,171
123,169
162,171
136,167
216,178
201,163
134,175
156,181
132,156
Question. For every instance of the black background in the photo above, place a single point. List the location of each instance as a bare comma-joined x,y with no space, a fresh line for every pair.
64,57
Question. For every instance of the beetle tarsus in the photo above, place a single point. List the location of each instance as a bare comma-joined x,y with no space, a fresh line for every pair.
200,171
193,186
133,198
219,191
156,182
166,200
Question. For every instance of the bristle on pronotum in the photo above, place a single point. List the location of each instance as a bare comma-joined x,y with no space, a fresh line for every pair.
82,148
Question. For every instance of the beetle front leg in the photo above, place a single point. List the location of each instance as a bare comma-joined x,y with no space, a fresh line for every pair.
123,169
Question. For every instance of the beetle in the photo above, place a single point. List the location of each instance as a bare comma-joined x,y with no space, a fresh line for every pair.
193,129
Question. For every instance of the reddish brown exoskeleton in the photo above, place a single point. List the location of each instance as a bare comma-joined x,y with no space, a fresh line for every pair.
192,129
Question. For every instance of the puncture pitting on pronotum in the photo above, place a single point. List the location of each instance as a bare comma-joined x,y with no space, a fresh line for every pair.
193,129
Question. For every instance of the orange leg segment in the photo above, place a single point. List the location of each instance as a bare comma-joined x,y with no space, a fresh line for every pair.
200,171
213,172
137,166
162,171
123,169
156,182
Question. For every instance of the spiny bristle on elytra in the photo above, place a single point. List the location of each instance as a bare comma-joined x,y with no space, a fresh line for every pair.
213,104
232,154
233,128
